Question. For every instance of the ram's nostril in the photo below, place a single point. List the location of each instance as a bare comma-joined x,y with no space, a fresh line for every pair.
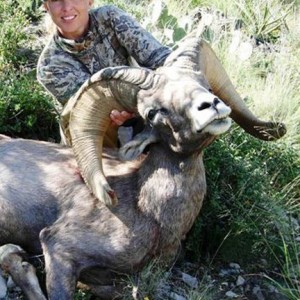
204,105
216,101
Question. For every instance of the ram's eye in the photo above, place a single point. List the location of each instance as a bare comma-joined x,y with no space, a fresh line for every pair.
164,111
151,114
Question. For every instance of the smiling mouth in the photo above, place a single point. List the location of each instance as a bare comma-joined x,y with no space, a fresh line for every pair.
69,18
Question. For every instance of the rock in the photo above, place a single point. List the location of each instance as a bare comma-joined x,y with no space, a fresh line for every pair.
189,280
224,273
258,293
234,266
233,269
175,296
240,281
224,285
231,294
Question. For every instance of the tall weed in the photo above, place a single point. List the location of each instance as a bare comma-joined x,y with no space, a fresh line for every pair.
12,34
25,109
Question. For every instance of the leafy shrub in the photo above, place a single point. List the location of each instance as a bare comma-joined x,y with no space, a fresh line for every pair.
31,8
135,8
263,20
12,35
25,110
245,212
161,20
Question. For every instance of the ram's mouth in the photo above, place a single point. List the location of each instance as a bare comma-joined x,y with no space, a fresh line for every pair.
218,126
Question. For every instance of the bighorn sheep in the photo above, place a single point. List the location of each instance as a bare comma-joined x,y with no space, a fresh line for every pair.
46,206
124,87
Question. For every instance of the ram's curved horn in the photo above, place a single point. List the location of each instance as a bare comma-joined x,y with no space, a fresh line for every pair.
195,54
86,118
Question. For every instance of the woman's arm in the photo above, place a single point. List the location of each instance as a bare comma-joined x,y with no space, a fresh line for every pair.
138,42
60,73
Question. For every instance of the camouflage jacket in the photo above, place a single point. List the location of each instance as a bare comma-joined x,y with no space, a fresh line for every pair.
113,38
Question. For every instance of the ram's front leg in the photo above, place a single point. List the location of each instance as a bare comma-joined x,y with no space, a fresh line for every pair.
60,269
12,260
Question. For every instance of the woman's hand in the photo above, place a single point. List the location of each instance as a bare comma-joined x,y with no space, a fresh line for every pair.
118,118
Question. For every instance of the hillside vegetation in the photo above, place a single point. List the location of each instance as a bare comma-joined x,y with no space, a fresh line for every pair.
251,214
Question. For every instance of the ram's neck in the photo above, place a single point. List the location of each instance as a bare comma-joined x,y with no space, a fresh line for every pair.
171,191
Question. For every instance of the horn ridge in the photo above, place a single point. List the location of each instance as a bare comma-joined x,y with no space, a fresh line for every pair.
85,120
186,55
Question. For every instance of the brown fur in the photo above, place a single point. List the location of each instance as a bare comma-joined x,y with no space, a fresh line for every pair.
45,205
42,195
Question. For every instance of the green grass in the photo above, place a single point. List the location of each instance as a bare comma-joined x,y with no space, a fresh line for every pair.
254,187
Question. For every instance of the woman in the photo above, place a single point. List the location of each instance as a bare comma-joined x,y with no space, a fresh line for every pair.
87,41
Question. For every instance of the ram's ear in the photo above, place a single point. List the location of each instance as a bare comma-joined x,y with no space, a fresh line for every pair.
138,144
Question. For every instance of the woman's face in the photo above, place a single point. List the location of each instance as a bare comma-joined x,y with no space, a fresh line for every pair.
70,16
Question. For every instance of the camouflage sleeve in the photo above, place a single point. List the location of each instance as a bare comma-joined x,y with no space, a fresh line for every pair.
138,42
60,74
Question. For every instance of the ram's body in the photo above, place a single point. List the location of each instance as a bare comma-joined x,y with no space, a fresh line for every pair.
44,188
41,187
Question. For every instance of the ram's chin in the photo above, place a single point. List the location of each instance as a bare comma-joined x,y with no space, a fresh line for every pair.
218,126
